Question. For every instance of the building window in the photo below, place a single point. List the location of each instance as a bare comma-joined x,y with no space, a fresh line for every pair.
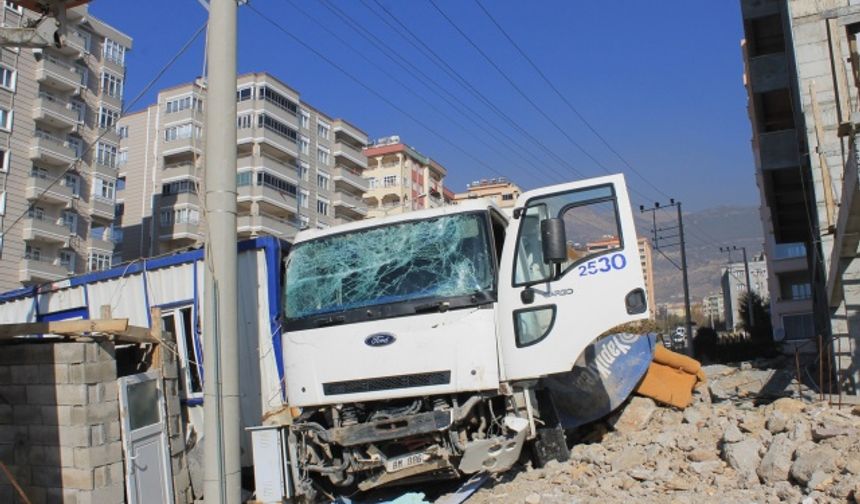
279,100
322,156
67,259
303,170
106,154
111,85
322,206
14,7
245,94
122,131
120,183
323,130
122,157
3,203
114,52
119,210
372,182
182,131
107,117
70,221
104,189
76,144
245,121
243,179
79,109
184,103
507,197
99,261
276,183
36,213
5,157
272,124
305,145
184,215
32,252
389,181
179,187
305,119
72,181
323,181
304,199
6,119
7,78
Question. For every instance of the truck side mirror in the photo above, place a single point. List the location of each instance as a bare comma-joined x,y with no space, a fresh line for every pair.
553,240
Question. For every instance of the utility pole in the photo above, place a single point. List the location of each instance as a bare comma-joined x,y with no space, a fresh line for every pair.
658,246
221,475
747,276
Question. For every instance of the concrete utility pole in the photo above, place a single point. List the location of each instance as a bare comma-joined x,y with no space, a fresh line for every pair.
747,276
221,474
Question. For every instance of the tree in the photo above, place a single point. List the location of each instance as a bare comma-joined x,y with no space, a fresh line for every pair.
762,331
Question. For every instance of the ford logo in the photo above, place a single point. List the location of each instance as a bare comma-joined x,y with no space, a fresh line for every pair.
379,339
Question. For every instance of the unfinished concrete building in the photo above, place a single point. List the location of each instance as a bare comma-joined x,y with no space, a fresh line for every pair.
802,72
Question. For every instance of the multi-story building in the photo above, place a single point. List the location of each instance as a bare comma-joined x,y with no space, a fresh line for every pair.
296,167
646,260
402,179
502,191
59,150
803,77
713,308
734,284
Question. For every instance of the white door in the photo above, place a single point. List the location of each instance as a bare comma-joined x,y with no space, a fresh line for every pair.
148,472
546,319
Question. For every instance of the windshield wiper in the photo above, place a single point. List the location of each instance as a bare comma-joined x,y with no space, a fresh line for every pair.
440,306
330,321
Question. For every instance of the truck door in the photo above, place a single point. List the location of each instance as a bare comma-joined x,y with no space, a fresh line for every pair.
548,314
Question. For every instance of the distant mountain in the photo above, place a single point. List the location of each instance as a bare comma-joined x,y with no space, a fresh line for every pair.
705,231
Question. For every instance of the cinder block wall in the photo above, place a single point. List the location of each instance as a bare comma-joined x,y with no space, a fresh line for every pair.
59,422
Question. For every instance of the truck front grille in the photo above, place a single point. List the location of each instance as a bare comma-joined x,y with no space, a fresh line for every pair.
387,383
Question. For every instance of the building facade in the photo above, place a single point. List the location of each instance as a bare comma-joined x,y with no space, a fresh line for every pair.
502,191
646,259
297,167
59,150
713,309
402,179
803,77
733,282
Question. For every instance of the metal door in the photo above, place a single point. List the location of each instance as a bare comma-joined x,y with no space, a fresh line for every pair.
547,317
144,435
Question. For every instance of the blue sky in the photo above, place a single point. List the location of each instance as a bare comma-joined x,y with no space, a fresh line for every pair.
660,81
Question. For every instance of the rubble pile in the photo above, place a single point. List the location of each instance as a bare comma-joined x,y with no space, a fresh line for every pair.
735,443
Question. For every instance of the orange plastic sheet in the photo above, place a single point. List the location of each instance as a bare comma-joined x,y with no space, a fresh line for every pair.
671,378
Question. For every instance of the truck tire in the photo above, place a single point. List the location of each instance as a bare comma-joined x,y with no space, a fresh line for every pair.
550,444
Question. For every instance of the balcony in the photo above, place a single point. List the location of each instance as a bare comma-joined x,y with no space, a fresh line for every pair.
75,43
101,208
269,195
179,170
348,176
778,149
51,150
42,189
45,230
265,224
342,128
788,257
180,231
101,240
55,112
343,150
184,198
282,144
40,271
349,205
768,72
59,74
181,146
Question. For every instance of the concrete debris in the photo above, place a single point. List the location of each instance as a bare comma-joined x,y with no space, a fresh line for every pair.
742,440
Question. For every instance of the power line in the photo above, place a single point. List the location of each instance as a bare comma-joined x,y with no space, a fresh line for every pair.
370,89
123,112
388,74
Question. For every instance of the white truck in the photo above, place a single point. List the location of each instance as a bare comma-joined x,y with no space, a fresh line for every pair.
439,343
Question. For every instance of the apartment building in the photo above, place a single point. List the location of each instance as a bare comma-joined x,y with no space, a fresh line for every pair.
713,307
402,179
646,260
297,167
734,284
59,150
802,72
501,190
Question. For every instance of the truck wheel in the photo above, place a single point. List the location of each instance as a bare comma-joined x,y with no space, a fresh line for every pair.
550,444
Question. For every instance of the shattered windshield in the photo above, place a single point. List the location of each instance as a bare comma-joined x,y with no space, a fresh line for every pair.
436,258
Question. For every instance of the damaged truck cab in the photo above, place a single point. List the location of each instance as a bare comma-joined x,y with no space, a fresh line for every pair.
422,345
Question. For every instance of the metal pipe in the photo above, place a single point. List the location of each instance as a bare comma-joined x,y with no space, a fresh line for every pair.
221,475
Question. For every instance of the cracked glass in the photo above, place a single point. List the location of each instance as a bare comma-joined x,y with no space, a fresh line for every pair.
438,258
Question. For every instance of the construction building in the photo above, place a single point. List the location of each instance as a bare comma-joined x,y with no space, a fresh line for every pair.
646,259
734,285
802,73
297,167
501,190
59,150
402,179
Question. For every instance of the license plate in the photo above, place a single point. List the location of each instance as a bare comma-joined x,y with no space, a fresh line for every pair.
405,461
